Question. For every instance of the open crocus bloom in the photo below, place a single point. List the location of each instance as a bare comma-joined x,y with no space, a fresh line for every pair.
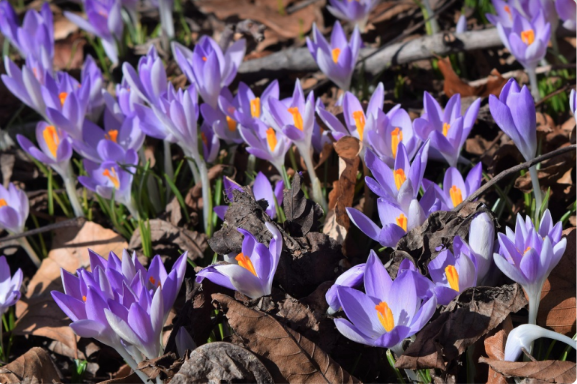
336,59
455,189
514,113
266,143
401,184
356,11
447,129
254,273
9,285
386,131
354,114
389,311
14,208
453,272
208,68
122,300
504,14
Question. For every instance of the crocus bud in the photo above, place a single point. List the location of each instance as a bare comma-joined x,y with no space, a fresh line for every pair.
481,241
524,335
461,24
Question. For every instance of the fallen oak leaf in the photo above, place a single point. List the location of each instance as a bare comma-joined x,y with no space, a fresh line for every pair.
454,84
222,362
470,316
34,364
287,354
495,349
341,197
550,371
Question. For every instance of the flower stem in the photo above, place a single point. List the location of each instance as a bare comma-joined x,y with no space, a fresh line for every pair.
168,169
28,248
194,170
70,185
318,196
151,186
285,177
534,86
132,364
206,198
536,191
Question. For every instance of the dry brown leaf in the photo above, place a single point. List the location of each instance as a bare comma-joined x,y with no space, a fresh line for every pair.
341,197
37,313
473,314
69,53
287,354
557,307
550,371
34,364
495,348
454,84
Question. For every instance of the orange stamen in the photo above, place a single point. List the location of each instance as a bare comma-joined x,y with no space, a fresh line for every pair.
62,96
297,117
508,10
359,117
336,53
84,298
153,281
399,177
528,36
51,138
255,107
385,316
204,139
245,262
446,127
112,176
271,139
526,250
231,124
456,195
402,221
112,135
396,138
204,58
452,277
3,203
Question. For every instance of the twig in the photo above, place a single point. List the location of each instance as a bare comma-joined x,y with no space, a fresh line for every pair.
66,223
514,170
555,93
299,6
520,72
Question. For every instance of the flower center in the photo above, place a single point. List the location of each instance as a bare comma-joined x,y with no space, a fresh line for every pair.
336,52
112,135
231,124
255,107
396,138
271,139
508,10
528,36
452,277
203,58
297,117
84,298
385,316
245,262
402,222
51,138
526,250
446,127
399,177
62,96
112,176
359,117
3,203
456,195
153,281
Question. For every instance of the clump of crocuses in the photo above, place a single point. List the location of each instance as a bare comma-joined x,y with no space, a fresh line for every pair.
121,304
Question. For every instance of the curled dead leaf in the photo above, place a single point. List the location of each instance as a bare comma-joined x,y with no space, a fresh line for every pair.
454,84
341,197
495,349
550,371
35,364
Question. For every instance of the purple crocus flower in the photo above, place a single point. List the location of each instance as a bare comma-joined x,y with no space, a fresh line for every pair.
504,14
567,10
210,143
447,130
261,189
254,273
9,286
386,131
109,177
336,59
353,11
266,143
514,113
104,20
455,189
388,312
461,24
208,68
121,304
26,83
352,278
453,272
123,104
355,116
92,75
14,209
150,83
527,255
402,183
35,38
526,39
573,104
481,245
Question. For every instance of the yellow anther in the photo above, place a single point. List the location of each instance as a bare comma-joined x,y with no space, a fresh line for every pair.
231,124
112,135
399,177
396,138
50,135
446,127
359,117
112,176
385,316
402,221
297,117
456,195
62,96
452,277
336,53
245,262
271,139
528,36
3,203
255,107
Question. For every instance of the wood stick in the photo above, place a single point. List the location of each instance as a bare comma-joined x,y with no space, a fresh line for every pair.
66,223
513,170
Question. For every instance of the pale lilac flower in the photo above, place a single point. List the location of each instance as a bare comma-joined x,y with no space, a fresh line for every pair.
266,143
455,189
9,286
14,209
356,11
567,10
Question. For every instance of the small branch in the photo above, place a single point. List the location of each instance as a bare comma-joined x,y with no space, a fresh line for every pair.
66,223
514,170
